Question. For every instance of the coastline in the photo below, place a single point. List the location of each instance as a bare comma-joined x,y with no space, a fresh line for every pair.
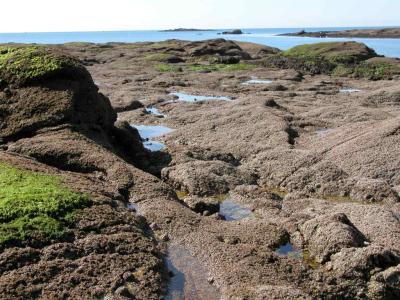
385,33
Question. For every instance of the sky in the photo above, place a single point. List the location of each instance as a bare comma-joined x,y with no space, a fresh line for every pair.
99,15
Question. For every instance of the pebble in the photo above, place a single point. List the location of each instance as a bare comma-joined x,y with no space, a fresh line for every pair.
7,92
127,276
154,226
165,237
122,291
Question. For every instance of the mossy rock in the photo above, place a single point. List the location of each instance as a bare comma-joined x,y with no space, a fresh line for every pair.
24,65
334,53
35,208
337,59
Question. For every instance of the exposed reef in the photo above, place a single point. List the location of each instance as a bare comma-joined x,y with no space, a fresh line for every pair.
288,189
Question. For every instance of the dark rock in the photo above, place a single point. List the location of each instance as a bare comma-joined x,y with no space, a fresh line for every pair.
275,87
236,31
132,105
218,47
175,59
271,103
229,59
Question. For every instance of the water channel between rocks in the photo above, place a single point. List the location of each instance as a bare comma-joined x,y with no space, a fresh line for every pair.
147,132
189,280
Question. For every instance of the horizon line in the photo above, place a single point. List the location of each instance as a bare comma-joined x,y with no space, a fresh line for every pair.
203,29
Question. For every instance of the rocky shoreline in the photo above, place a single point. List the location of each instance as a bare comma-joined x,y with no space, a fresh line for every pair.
386,33
279,180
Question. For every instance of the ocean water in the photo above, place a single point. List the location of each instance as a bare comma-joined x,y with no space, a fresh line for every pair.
267,36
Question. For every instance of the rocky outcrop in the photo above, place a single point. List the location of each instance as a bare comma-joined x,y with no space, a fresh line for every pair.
314,168
51,111
335,58
327,235
220,47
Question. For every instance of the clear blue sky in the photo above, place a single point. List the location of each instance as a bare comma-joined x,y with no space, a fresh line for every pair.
82,15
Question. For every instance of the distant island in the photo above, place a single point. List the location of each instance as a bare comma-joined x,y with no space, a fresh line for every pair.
236,31
355,33
185,30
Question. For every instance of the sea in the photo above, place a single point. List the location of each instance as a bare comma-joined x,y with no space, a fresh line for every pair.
264,36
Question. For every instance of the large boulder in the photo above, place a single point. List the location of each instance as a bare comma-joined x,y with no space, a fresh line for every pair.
219,47
335,52
44,88
327,235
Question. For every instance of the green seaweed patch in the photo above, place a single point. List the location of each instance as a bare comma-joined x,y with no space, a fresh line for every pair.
309,259
181,194
281,192
342,71
39,228
220,197
335,53
26,64
167,68
34,206
376,70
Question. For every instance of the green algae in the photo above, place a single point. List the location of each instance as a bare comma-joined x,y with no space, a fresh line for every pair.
281,192
162,67
335,53
181,194
337,59
33,206
26,64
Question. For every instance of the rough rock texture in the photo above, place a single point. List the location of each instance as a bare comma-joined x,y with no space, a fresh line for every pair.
316,165
326,235
64,122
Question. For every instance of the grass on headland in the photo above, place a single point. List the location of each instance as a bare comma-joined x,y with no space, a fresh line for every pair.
34,206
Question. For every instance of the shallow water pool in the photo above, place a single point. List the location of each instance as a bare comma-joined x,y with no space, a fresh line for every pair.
232,211
189,280
151,131
195,98
289,251
349,90
322,131
257,81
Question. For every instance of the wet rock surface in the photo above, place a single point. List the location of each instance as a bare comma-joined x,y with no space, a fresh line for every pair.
333,196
